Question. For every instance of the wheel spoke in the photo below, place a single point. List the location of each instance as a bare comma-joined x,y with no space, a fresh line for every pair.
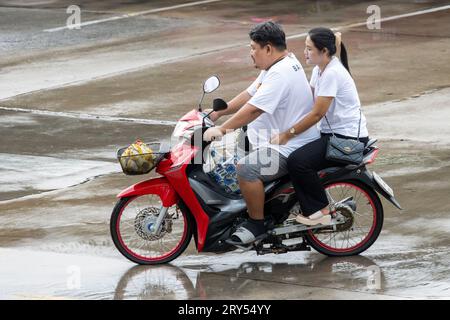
356,230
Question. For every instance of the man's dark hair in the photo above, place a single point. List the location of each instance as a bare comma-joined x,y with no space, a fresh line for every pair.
269,33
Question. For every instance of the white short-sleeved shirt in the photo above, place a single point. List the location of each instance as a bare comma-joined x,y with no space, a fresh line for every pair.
283,93
344,111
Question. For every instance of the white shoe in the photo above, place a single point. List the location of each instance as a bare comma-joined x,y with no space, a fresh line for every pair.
314,219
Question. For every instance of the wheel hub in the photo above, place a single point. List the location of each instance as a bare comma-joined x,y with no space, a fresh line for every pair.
145,224
344,213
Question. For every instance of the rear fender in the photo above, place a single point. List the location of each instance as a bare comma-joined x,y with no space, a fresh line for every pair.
365,176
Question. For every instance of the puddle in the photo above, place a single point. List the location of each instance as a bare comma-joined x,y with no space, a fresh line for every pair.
25,174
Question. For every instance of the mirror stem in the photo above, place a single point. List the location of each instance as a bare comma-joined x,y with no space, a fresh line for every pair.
200,102
206,116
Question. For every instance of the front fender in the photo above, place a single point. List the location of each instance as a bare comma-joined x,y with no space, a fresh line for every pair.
159,186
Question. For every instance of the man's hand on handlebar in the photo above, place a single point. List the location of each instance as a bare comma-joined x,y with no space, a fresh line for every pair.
213,133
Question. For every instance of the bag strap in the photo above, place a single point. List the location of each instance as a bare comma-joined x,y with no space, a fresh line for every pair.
329,125
359,125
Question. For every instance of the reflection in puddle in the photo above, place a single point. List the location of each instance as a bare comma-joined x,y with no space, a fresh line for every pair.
226,281
408,274
395,274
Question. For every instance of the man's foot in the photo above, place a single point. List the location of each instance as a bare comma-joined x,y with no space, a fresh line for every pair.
248,232
314,219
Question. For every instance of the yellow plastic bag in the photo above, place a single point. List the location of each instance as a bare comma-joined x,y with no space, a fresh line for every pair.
138,157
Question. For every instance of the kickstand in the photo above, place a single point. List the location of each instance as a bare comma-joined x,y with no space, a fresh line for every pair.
278,247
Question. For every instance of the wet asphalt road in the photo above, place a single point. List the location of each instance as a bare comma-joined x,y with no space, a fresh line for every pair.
62,94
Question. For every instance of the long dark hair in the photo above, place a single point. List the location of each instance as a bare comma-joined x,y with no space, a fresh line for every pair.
325,38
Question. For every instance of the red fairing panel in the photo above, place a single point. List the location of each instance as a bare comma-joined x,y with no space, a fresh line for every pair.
191,116
181,157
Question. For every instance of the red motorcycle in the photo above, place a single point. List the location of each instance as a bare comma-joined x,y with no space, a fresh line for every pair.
154,220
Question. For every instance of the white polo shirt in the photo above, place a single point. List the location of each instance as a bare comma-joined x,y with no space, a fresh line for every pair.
283,93
344,112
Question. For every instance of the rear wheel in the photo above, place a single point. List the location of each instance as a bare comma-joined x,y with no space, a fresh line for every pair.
132,222
363,221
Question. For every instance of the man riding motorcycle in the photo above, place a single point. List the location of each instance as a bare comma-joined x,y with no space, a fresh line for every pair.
274,102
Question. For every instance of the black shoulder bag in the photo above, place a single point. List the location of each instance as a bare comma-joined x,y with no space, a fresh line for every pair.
346,151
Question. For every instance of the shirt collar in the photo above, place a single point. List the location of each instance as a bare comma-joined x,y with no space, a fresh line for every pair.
333,60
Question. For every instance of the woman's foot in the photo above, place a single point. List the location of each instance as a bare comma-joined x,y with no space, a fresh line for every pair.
314,219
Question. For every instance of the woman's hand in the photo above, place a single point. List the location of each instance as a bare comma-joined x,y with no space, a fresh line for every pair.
281,138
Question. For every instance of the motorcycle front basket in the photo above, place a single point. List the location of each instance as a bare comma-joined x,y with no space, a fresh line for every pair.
143,163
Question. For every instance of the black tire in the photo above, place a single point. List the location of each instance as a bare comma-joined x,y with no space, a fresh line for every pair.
120,205
313,242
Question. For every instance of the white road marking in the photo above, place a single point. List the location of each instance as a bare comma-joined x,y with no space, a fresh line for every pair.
396,17
87,116
59,83
135,14
9,90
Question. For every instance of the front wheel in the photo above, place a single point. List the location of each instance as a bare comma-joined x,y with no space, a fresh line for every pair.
363,221
132,229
